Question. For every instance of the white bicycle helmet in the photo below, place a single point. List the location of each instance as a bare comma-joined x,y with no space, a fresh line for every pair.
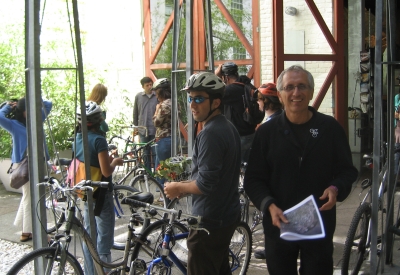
161,83
93,113
207,82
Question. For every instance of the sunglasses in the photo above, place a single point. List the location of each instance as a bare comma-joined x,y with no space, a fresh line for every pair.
197,99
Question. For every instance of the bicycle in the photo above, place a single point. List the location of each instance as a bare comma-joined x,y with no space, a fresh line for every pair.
358,241
56,259
168,253
55,204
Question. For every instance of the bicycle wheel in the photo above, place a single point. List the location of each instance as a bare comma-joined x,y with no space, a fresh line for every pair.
123,213
146,183
356,249
240,249
55,204
51,262
153,238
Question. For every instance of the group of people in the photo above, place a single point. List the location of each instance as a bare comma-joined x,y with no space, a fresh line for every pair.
285,164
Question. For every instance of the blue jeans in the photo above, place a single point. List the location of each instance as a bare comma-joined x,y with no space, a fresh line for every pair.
163,151
105,232
246,142
148,153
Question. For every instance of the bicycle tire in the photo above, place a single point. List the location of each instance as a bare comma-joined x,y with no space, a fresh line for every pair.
153,237
26,264
123,214
146,183
240,249
356,249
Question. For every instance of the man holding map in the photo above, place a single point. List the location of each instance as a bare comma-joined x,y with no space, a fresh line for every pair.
297,154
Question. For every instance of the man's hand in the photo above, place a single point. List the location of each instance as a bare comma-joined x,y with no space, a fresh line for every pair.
277,215
171,190
330,193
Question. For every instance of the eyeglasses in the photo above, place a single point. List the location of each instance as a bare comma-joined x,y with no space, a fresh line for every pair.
197,99
300,87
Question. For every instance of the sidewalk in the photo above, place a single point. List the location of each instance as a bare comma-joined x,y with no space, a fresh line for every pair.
345,210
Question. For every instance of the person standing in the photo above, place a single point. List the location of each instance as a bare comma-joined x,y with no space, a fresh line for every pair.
143,112
13,119
215,178
234,104
101,169
98,95
300,152
162,122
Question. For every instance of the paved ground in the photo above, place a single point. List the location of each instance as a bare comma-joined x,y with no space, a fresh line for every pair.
345,210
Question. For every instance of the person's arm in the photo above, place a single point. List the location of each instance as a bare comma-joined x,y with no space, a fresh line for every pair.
162,112
47,106
136,111
178,189
106,167
345,172
5,122
256,181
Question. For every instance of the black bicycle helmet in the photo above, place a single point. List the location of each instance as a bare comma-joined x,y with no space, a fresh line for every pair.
161,83
93,113
229,68
207,82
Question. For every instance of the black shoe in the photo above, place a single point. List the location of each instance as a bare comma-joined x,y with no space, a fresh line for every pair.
259,254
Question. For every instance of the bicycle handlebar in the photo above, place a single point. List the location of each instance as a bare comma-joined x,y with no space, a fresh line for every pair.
82,185
192,220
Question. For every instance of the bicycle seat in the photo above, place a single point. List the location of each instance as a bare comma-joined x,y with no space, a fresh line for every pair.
61,161
145,197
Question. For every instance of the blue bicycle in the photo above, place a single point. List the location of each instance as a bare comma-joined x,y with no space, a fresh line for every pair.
163,249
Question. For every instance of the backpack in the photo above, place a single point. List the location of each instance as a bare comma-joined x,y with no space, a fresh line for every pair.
252,114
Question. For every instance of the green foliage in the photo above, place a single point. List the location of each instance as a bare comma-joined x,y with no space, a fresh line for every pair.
173,167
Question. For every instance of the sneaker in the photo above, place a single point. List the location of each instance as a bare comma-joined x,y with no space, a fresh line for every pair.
259,254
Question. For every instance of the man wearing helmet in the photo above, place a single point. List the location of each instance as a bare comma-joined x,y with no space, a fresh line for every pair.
215,178
143,111
234,105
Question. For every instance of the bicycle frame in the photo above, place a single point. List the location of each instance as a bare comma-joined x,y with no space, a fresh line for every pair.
166,252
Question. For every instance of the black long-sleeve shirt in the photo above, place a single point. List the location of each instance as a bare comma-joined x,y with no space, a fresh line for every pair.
279,171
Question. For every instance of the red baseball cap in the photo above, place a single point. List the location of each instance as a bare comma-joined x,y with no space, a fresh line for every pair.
268,89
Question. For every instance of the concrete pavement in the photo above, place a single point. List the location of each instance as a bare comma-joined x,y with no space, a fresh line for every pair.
9,202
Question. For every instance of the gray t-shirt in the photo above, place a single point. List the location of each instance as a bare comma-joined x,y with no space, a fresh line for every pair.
216,167
143,112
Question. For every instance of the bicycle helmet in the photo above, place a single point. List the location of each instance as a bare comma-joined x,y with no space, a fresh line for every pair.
229,68
161,83
268,89
93,113
207,82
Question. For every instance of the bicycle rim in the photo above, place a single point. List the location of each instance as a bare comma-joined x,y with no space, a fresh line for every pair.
240,249
123,213
51,263
153,238
356,249
146,183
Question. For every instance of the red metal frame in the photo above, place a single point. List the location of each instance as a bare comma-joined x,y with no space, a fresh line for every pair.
336,74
